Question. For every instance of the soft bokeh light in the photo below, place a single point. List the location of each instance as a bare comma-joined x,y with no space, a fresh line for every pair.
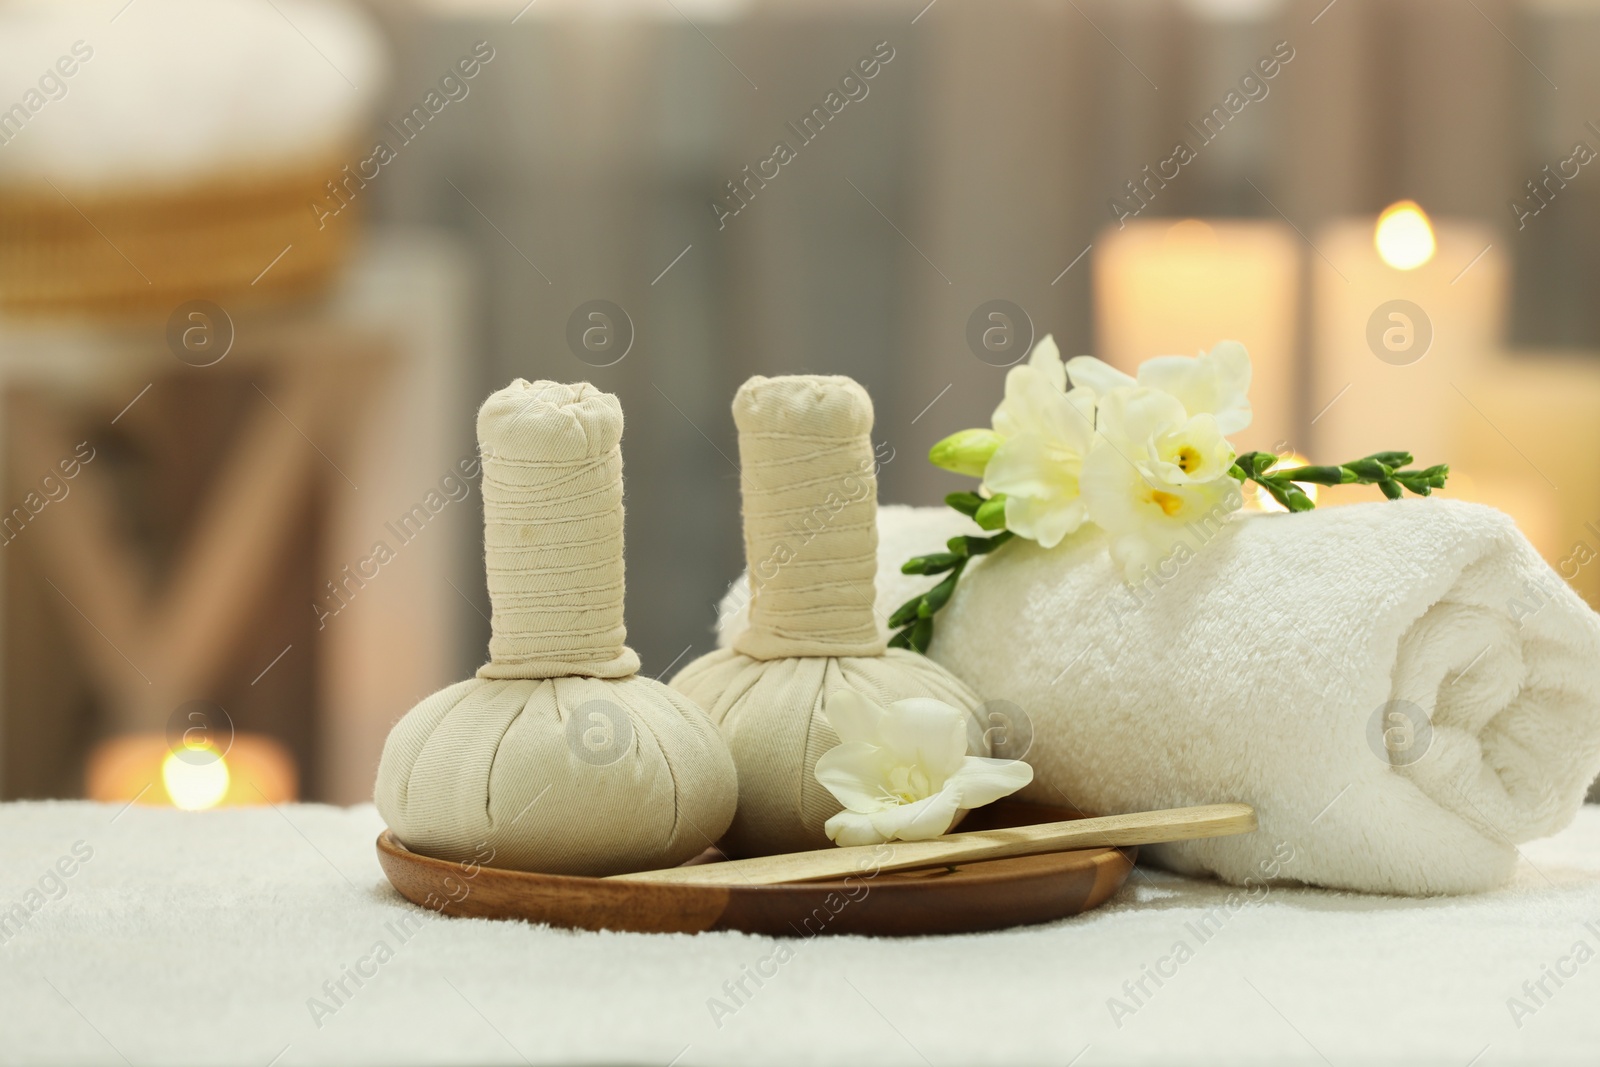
144,768
195,786
1404,236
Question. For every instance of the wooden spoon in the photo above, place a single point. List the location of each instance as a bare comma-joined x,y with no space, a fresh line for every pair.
1138,828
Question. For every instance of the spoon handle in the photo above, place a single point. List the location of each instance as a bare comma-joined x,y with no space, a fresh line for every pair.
1137,828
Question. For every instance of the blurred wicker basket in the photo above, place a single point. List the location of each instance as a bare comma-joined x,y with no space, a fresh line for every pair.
253,239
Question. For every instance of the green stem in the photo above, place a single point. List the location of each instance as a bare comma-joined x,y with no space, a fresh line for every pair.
914,618
1387,470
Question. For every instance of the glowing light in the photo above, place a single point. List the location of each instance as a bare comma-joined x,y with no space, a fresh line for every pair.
1404,236
194,786
1191,233
1264,501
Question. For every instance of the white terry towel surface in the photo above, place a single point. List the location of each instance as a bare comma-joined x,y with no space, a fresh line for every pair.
1265,670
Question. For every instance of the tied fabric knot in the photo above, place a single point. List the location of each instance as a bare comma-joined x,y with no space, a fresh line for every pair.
553,522
810,499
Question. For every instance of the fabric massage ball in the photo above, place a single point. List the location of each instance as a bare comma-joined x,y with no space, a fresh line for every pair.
557,755
809,483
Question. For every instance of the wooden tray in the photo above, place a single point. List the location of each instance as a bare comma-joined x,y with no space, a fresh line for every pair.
986,895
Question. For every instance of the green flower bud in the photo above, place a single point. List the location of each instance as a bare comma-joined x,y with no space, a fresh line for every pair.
906,613
966,452
1372,469
936,563
1314,475
966,503
992,515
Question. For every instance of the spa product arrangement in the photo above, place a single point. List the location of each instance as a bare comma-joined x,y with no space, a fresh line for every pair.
1369,678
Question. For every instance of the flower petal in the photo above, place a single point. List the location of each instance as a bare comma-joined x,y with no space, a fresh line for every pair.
853,716
1022,467
926,733
927,818
1046,358
983,781
852,828
1192,452
1216,383
1029,393
854,773
1133,418
1044,520
1148,520
1102,377
1075,420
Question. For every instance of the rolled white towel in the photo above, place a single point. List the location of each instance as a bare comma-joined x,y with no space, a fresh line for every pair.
1267,669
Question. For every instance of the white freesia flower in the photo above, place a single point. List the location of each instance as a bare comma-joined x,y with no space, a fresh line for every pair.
902,772
1157,477
1156,433
1214,383
1044,435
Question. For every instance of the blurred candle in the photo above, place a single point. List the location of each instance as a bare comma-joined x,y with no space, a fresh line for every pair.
254,769
1529,444
1177,288
1404,308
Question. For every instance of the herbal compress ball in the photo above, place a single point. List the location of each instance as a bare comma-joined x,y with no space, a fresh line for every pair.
557,755
810,534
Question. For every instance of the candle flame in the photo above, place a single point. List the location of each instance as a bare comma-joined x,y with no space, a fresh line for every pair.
195,784
1404,236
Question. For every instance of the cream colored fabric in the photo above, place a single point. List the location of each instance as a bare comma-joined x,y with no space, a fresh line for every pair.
552,532
810,508
810,515
556,756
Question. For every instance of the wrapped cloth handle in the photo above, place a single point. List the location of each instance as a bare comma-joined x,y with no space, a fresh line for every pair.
552,532
810,517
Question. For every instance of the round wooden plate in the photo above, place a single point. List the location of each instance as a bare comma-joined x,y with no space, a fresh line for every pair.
987,895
